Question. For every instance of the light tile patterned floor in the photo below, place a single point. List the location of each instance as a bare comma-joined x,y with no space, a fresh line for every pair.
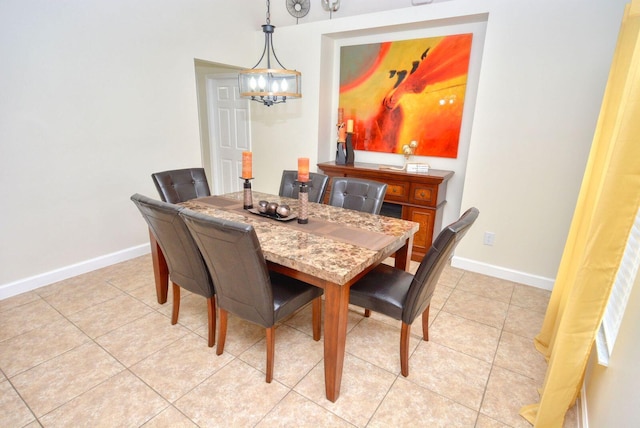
98,350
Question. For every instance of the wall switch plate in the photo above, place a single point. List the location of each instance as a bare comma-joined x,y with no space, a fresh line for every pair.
489,238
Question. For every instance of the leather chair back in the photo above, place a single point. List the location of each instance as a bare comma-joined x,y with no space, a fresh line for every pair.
180,185
357,194
426,277
185,263
233,254
317,185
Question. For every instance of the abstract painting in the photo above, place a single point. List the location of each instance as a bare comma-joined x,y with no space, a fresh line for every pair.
403,91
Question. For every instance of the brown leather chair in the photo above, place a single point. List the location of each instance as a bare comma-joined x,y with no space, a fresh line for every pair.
403,296
357,194
244,285
186,266
317,185
180,185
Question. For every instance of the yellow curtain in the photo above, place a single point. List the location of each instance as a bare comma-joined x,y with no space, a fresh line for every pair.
607,205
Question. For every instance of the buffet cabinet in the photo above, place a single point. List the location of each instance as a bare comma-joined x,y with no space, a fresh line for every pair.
418,197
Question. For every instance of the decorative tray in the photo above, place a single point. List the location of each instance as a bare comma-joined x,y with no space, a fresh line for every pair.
273,217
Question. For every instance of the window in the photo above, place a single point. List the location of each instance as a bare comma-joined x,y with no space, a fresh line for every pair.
614,311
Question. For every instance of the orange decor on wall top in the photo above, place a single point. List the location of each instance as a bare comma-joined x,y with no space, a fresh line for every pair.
396,92
303,169
247,165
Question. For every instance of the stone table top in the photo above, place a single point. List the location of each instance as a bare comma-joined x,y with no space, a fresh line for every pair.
336,245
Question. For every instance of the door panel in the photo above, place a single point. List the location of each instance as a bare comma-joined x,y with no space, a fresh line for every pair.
229,133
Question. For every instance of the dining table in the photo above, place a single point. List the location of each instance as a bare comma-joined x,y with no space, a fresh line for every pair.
334,249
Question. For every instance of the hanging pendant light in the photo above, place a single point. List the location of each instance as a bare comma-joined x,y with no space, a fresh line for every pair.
268,85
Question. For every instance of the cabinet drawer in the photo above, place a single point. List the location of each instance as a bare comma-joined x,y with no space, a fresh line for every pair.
397,191
423,194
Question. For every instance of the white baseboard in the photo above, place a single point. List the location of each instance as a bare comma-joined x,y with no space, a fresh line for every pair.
503,273
37,281
31,283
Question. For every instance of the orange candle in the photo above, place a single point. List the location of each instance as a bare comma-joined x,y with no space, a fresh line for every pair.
246,165
350,126
342,133
303,169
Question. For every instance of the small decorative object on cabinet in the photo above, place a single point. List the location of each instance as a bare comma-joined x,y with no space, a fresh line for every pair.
418,197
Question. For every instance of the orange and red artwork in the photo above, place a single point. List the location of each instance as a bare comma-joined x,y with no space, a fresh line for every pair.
398,92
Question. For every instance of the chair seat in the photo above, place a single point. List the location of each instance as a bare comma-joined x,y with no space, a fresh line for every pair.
287,295
382,290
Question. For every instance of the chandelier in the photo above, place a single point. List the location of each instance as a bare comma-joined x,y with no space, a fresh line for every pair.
269,85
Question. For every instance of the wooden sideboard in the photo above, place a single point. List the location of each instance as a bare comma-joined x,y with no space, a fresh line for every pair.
417,197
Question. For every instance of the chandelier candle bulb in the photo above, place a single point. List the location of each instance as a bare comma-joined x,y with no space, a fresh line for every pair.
303,170
246,165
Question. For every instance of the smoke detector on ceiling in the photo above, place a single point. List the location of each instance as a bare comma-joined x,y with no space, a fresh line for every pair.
419,2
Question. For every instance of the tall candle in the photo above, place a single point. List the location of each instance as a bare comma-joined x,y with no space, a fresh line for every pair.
303,169
246,165
342,133
350,126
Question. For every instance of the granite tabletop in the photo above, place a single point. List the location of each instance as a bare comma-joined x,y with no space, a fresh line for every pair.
335,245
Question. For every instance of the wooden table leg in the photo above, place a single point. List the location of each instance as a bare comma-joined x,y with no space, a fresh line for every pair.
160,270
336,300
403,255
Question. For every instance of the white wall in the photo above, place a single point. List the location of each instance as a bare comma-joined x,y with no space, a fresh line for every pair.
97,95
545,67
94,97
541,79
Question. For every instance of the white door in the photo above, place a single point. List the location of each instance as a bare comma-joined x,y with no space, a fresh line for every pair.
229,132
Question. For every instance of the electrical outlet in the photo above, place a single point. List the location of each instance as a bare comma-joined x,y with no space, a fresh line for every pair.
489,238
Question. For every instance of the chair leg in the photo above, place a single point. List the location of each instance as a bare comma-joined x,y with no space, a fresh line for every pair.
176,303
222,334
271,339
425,324
211,309
367,313
404,349
316,316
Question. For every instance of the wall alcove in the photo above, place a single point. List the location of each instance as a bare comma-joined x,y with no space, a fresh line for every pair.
329,93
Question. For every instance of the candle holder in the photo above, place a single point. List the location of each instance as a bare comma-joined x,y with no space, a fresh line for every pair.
303,204
349,155
248,196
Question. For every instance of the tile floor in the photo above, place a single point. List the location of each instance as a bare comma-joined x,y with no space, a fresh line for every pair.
98,350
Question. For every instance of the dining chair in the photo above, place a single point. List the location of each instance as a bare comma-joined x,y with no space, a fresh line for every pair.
187,268
357,194
180,185
244,285
317,185
403,296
